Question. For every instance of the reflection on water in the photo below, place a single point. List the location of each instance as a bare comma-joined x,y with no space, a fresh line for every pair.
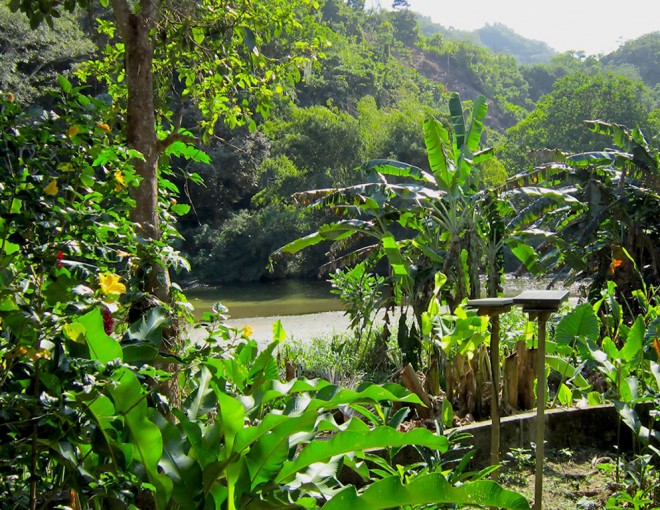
266,299
298,297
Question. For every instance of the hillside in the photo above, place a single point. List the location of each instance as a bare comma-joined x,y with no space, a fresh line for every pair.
496,37
381,75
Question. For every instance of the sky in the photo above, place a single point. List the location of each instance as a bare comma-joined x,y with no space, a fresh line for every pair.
592,26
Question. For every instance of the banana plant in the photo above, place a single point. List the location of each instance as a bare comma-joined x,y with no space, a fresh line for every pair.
419,221
589,210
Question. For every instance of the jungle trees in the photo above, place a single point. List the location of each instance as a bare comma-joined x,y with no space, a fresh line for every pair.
231,60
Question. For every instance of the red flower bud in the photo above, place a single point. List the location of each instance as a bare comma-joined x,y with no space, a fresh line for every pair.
60,257
108,322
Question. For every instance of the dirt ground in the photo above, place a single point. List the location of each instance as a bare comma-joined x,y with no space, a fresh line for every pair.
580,479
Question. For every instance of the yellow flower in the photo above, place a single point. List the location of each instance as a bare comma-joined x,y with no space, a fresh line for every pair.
103,126
51,189
110,284
72,131
247,331
10,97
121,182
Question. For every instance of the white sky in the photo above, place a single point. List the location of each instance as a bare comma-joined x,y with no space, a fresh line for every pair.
592,26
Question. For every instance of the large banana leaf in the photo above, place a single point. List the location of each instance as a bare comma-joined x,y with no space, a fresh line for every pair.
479,112
399,169
328,232
428,489
439,152
359,440
457,122
550,175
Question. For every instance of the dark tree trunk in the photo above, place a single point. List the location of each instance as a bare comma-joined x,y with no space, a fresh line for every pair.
135,30
135,27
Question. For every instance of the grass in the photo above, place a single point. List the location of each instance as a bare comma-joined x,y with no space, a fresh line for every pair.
343,359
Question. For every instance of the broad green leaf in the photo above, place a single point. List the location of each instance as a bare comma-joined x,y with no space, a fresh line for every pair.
528,256
130,402
182,469
187,151
9,248
629,416
436,138
102,347
427,489
279,335
74,332
350,441
150,327
581,322
633,345
232,415
565,395
264,367
398,169
594,398
204,400
479,112
266,457
457,120
180,209
198,35
394,256
567,370
65,84
609,347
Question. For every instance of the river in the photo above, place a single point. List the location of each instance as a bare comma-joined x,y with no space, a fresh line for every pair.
296,297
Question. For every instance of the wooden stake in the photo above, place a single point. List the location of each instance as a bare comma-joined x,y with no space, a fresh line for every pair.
495,391
540,413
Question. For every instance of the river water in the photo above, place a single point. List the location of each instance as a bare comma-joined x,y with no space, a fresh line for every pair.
297,297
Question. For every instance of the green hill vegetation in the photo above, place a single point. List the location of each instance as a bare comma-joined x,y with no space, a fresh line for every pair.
381,75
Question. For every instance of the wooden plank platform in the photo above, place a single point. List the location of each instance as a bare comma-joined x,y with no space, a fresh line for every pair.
541,300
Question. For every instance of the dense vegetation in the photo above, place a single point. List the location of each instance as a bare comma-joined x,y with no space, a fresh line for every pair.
111,396
382,69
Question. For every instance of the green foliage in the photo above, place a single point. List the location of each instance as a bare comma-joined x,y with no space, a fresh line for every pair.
419,222
585,211
501,39
362,294
240,248
32,59
66,239
557,119
80,401
643,54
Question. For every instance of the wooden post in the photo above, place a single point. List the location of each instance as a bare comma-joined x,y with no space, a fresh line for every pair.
540,305
541,384
495,393
493,307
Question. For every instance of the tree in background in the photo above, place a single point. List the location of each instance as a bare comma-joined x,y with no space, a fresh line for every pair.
31,59
557,120
219,56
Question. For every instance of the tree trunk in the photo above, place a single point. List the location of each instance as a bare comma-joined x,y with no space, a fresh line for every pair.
135,28
135,25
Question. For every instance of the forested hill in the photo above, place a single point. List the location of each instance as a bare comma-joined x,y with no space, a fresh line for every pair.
496,37
381,74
